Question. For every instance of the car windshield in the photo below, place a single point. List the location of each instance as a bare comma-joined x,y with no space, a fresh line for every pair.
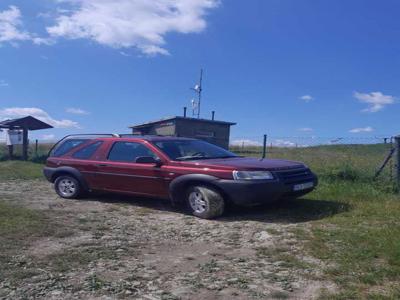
192,150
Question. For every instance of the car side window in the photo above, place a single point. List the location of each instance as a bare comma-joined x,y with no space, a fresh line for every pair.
67,146
87,151
128,151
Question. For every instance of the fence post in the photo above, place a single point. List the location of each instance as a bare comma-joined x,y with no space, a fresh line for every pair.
10,151
397,162
264,146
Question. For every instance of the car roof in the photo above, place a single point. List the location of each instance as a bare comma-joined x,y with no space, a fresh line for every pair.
123,137
118,137
149,138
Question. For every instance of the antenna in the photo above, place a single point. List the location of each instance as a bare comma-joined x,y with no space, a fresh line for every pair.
198,88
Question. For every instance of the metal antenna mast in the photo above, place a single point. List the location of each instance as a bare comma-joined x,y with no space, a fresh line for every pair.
198,88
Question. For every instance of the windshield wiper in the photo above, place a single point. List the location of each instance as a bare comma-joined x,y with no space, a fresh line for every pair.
190,158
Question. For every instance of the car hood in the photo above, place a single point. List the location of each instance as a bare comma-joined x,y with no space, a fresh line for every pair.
247,163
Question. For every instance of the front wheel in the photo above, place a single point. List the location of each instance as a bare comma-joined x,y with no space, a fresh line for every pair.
67,187
205,202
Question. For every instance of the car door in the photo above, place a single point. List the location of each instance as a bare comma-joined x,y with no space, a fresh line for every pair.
119,172
86,159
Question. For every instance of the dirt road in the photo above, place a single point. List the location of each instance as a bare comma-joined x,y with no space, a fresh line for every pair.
107,247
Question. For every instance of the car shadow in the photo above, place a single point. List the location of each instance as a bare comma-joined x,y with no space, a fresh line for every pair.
290,211
144,202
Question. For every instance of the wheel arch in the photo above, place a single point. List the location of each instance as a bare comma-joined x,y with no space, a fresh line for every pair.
179,186
70,172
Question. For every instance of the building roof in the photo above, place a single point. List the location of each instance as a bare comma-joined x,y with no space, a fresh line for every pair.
28,122
180,118
150,138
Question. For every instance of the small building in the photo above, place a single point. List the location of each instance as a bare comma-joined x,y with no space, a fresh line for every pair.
215,132
18,127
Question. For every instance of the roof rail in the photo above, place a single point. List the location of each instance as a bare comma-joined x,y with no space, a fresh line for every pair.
133,135
86,136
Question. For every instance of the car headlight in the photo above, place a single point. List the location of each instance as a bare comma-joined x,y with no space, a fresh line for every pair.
252,175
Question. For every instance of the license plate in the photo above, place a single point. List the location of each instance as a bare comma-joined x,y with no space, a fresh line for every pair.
303,186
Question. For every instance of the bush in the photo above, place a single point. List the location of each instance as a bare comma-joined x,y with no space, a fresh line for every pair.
345,172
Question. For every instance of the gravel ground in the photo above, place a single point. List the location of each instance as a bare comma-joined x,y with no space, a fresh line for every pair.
113,246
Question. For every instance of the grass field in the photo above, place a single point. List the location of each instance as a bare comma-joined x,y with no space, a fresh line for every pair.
38,155
362,243
356,163
354,229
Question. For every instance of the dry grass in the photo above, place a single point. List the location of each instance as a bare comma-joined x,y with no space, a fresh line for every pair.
350,223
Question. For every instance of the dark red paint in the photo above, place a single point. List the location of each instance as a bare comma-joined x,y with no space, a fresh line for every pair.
152,179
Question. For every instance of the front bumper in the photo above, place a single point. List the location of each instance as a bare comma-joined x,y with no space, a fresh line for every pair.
247,192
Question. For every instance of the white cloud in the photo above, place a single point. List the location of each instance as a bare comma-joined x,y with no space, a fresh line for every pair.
48,137
141,24
3,83
283,143
19,112
76,111
245,142
376,100
305,129
306,98
124,54
361,129
11,28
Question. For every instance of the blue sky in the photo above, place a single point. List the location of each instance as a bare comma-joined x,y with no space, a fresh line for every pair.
282,67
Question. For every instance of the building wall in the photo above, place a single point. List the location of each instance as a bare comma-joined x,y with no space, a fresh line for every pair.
165,129
214,133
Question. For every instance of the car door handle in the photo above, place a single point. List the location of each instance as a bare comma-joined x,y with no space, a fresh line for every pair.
101,165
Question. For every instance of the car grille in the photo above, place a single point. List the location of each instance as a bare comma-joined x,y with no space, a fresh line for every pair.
295,176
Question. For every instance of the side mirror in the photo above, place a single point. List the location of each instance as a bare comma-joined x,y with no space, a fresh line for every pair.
148,160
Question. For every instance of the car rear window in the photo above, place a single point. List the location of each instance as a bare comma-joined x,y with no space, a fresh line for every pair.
87,151
67,146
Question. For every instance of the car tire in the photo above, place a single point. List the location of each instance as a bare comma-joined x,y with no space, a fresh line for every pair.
205,202
67,187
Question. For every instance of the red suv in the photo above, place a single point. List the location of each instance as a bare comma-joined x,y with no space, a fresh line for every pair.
184,170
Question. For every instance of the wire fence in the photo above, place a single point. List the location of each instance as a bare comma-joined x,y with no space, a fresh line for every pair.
305,141
365,159
37,151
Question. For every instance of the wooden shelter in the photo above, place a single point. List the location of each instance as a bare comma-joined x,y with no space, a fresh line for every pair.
24,124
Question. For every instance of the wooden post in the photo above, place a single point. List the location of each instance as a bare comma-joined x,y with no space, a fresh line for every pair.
25,144
10,151
36,147
264,147
397,162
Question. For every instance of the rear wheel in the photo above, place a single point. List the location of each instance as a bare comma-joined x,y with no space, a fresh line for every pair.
67,187
205,202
